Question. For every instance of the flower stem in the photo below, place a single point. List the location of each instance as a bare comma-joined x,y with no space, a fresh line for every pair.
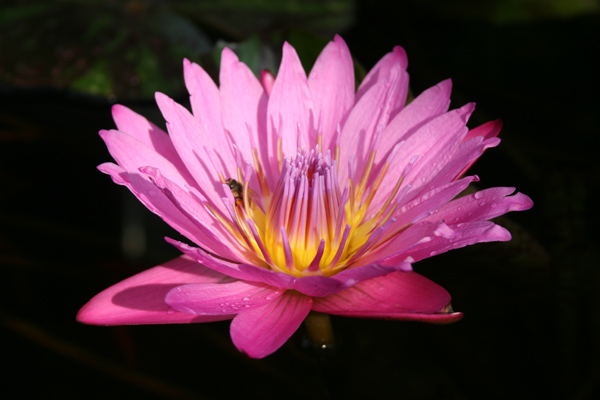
318,329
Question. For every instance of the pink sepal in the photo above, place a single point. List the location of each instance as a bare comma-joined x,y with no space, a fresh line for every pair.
260,331
140,299
399,295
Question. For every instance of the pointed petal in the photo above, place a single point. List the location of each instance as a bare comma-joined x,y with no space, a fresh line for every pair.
466,235
331,83
140,299
190,140
205,100
131,154
290,105
399,295
146,132
246,110
487,131
483,205
261,331
220,298
426,106
380,72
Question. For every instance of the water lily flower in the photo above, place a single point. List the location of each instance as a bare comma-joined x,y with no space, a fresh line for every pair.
300,193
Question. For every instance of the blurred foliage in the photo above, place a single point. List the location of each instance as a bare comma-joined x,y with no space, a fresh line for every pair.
130,49
512,11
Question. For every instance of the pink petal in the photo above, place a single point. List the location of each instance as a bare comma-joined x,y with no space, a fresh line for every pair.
261,331
246,111
220,298
421,206
190,140
205,100
488,130
131,154
434,143
426,106
140,299
380,72
290,110
483,205
146,132
466,235
331,83
399,295
267,80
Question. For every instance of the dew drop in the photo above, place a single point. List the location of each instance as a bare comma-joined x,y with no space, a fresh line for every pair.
478,195
151,193
170,312
246,299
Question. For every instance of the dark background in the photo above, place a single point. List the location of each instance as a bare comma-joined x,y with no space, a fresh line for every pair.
531,327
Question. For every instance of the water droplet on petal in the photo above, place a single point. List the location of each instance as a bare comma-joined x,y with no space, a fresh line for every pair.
478,195
170,312
151,193
246,299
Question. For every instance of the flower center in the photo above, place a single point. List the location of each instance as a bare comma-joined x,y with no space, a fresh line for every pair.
307,225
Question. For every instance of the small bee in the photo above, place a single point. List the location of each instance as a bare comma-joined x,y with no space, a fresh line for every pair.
237,189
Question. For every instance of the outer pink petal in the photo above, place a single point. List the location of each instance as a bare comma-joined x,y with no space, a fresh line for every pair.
434,143
290,110
466,235
380,72
190,140
331,83
131,154
244,114
429,104
421,206
483,205
220,298
205,100
146,132
261,331
399,295
487,131
140,299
